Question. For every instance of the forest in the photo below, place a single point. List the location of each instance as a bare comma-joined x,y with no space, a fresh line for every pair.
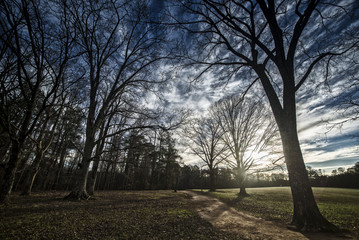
108,95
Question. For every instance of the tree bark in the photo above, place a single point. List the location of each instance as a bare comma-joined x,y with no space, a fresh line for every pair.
212,180
93,177
306,215
242,186
99,148
79,190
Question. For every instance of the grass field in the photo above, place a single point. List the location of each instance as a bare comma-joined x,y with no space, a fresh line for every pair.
112,215
156,214
339,206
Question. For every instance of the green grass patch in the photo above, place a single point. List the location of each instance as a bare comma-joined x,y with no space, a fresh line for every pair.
339,206
112,215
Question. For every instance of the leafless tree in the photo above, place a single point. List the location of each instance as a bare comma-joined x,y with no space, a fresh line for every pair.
205,137
32,71
120,49
281,44
247,131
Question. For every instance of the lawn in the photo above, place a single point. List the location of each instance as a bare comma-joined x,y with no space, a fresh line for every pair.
112,215
339,206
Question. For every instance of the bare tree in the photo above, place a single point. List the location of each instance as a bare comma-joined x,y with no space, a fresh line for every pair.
204,137
119,49
32,69
247,131
280,43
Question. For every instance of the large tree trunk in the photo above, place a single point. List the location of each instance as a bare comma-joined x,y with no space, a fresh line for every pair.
306,215
99,148
242,186
79,190
10,170
212,180
93,177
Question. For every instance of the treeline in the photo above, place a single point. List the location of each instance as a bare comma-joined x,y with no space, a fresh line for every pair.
135,160
196,177
143,160
338,178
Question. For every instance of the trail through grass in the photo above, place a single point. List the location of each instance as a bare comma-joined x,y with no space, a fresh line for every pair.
339,206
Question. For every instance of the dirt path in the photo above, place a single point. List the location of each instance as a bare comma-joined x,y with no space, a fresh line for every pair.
225,218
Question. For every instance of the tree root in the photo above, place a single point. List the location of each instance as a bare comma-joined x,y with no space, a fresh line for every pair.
321,225
78,195
242,194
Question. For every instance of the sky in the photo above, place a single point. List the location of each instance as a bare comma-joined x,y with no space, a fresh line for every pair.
325,145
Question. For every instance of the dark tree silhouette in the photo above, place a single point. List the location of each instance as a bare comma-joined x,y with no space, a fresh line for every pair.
281,43
119,47
32,72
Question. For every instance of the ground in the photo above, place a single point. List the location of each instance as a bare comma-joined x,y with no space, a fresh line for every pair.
110,215
135,215
227,219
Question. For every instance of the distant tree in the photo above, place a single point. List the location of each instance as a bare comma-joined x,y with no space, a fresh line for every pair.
135,150
225,177
277,177
247,130
205,141
190,177
312,173
356,167
341,170
4,146
168,160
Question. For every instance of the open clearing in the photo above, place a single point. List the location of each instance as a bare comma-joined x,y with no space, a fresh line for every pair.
147,215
